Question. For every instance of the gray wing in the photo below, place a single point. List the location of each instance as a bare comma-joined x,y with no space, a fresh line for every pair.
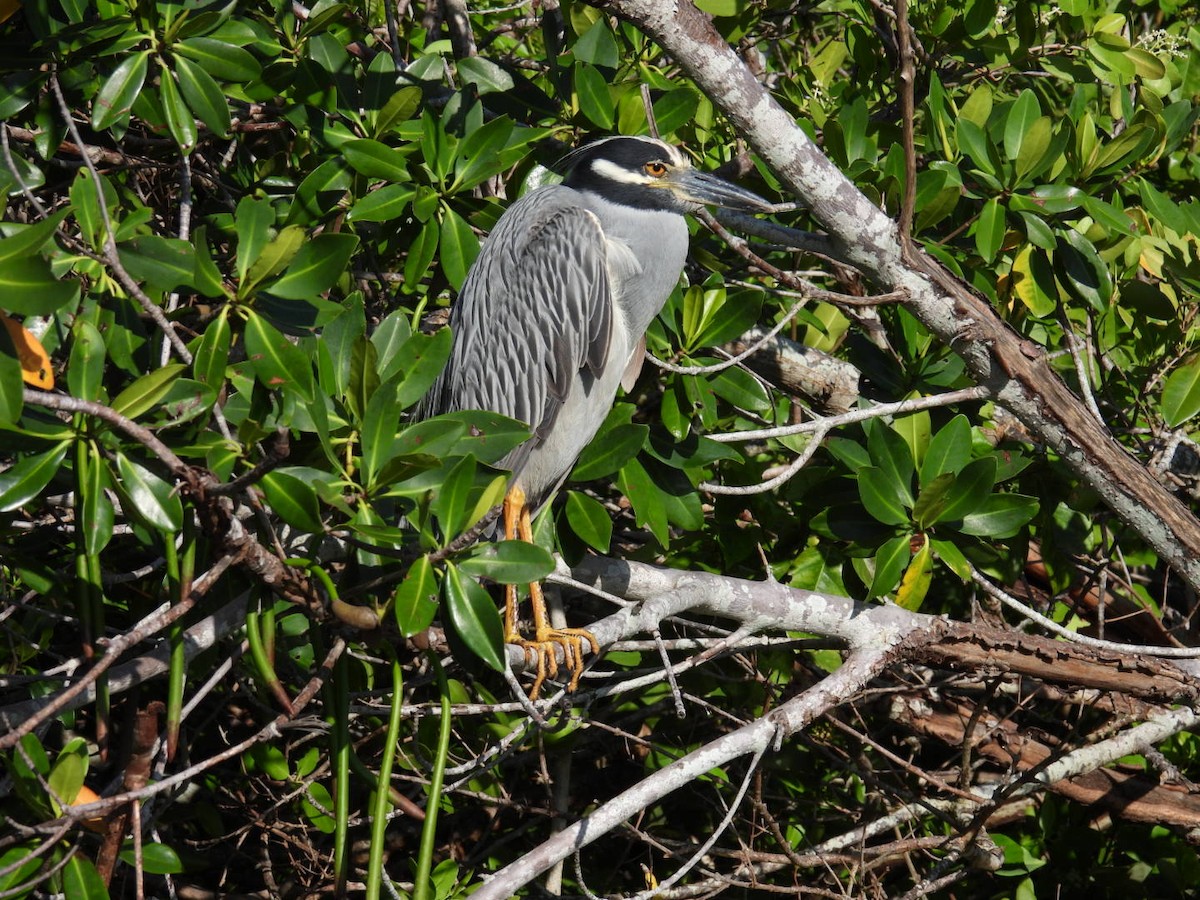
534,315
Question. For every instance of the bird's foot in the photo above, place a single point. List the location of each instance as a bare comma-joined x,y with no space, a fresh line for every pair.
542,652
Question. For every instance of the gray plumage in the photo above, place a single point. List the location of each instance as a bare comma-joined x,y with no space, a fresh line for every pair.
551,316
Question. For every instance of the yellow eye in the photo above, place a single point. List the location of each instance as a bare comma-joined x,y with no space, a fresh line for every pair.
655,169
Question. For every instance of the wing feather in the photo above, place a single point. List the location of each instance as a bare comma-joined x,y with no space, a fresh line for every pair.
534,315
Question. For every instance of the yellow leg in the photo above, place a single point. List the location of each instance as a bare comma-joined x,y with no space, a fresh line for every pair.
546,639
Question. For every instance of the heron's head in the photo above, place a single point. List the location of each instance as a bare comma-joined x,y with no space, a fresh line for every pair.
645,173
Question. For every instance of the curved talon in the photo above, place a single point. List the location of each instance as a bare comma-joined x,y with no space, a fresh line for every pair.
543,652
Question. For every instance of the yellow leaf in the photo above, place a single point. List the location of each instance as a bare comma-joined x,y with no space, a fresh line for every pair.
915,583
34,360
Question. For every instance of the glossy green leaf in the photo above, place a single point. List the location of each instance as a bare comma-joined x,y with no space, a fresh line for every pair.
294,500
203,95
450,503
416,599
459,247
882,496
26,478
597,46
145,393
95,511
31,239
81,881
1000,516
212,353
376,160
949,450
85,371
318,815
890,560
508,562
152,499
399,108
989,230
485,75
156,858
1181,394
277,362
954,559
28,287
1081,271
320,193
418,361
474,616
892,455
69,771
1021,116
180,121
320,262
971,487
595,101
612,450
646,498
384,205
220,59
165,263
253,220
1033,281
120,89
276,255
590,520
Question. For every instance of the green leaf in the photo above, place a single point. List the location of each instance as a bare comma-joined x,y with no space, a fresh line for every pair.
157,859
609,451
70,769
94,508
971,487
294,500
145,393
892,455
459,247
597,46
212,353
273,258
416,599
1033,281
949,450
949,554
450,503
119,91
989,230
384,205
590,520
81,881
881,495
420,360
277,362
595,101
180,121
890,560
1000,516
165,263
932,500
85,373
485,75
399,108
29,475
320,193
474,617
1081,271
203,95
508,562
316,267
28,287
1017,124
28,240
220,59
376,160
646,498
1181,394
253,221
150,498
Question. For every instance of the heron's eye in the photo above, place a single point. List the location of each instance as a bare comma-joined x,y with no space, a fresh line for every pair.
655,169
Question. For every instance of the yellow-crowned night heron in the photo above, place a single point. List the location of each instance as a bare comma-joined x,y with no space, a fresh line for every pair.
551,319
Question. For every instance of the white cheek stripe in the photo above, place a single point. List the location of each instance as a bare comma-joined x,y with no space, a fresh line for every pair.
610,171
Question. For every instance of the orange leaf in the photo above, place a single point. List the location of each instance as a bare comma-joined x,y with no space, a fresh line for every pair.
35,361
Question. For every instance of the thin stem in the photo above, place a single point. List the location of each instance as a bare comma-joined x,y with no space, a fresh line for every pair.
379,809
